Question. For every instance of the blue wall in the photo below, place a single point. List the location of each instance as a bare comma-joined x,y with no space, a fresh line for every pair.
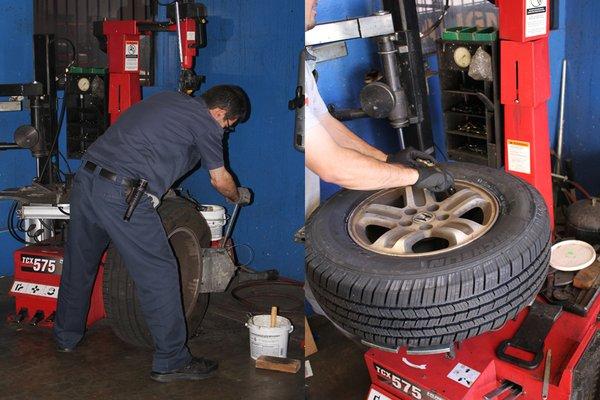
17,167
255,44
582,117
243,49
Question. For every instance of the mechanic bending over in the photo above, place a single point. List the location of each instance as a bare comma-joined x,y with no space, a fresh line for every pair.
338,156
159,140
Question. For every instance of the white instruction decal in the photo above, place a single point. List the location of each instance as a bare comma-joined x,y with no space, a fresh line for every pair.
464,375
519,156
132,55
375,395
536,18
191,35
34,289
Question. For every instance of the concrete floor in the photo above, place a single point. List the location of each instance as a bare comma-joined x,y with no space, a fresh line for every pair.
104,367
338,367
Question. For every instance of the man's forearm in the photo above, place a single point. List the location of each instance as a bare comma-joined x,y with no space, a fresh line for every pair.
223,182
344,137
356,171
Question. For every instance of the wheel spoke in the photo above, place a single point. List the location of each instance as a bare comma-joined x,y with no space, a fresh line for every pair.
388,239
429,198
406,242
457,197
409,196
384,211
474,226
453,235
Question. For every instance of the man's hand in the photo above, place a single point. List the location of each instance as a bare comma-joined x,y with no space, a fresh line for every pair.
410,157
244,196
435,179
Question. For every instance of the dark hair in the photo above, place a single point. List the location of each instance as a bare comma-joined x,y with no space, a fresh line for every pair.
230,98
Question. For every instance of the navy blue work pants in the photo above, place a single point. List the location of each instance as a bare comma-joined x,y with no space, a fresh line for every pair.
97,209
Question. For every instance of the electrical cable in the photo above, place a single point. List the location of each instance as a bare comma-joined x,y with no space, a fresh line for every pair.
580,188
10,223
62,210
55,139
66,162
235,293
437,23
246,246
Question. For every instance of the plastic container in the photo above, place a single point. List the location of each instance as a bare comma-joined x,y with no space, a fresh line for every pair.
216,218
267,341
471,34
572,255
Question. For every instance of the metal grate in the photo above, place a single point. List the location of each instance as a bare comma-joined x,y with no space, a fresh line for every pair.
73,20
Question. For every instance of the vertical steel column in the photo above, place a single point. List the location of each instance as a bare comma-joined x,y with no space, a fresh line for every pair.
412,72
43,108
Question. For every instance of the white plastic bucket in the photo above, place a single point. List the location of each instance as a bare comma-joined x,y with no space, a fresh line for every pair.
216,218
267,341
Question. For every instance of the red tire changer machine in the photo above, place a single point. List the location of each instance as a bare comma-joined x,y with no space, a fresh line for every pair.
38,266
543,353
568,342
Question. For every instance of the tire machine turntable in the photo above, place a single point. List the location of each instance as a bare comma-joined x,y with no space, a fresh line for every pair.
544,353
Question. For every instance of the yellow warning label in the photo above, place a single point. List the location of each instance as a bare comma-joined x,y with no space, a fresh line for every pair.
519,156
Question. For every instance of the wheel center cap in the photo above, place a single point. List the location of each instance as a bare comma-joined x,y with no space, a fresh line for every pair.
423,217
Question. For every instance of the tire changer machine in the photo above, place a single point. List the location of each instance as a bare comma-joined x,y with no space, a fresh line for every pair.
94,98
550,351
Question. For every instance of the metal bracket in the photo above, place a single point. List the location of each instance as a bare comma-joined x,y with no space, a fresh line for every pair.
515,391
217,270
447,349
330,51
366,27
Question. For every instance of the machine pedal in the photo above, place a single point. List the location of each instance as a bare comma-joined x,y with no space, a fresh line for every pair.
37,317
21,315
50,319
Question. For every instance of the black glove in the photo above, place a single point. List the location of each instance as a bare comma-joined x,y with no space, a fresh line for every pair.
436,179
245,196
410,157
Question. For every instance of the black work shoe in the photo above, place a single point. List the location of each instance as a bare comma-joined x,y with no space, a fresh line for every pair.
198,368
62,349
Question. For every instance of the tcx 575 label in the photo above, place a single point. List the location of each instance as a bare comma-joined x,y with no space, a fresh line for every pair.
404,385
42,265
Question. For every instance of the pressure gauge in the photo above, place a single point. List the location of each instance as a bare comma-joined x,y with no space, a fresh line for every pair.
462,57
83,84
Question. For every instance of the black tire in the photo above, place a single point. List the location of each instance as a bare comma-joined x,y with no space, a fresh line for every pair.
179,216
431,300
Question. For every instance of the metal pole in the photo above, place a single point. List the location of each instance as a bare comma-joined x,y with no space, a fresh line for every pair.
561,121
229,229
400,138
179,32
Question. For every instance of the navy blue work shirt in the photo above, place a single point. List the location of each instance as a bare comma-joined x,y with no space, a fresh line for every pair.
160,139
